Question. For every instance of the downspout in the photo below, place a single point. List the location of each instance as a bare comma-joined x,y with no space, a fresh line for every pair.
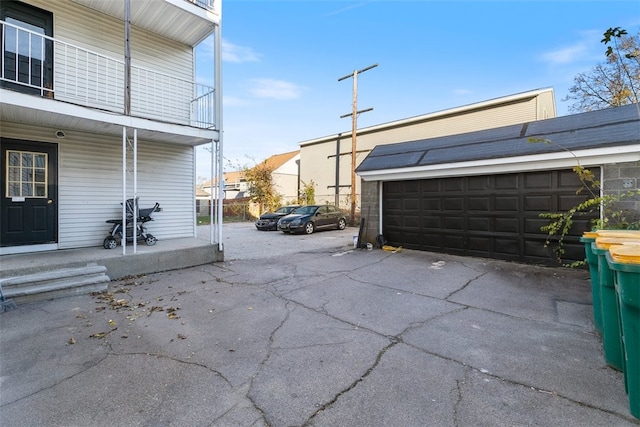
380,185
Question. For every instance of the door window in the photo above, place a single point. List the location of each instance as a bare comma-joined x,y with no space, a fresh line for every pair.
26,174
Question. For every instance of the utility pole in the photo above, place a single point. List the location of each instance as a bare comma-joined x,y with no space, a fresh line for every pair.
354,124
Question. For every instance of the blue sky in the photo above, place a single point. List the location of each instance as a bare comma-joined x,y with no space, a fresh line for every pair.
282,60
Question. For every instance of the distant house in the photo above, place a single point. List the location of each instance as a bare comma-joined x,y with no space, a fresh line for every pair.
286,174
285,177
481,193
327,161
90,119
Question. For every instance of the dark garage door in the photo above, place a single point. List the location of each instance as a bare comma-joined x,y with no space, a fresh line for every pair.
486,216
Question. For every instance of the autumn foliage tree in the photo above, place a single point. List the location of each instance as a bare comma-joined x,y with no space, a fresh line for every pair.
261,186
612,83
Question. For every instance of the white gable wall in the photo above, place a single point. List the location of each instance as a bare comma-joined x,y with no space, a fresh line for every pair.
90,184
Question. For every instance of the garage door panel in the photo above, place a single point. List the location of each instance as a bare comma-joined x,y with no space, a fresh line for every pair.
479,224
454,223
539,203
568,201
506,203
507,225
453,204
479,183
506,246
538,180
431,204
453,184
479,204
411,205
533,225
506,182
491,216
569,180
430,186
432,222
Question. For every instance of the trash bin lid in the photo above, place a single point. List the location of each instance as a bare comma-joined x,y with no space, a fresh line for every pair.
628,234
590,234
607,242
628,254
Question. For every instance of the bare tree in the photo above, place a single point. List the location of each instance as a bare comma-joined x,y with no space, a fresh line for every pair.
612,83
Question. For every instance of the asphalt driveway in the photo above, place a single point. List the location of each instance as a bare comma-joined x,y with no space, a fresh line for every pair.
304,330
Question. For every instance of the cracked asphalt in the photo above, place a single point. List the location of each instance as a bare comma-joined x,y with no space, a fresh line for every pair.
307,331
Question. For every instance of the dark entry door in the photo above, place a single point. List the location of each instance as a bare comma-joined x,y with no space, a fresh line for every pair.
28,206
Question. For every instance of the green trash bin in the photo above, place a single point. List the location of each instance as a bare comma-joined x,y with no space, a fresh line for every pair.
592,261
627,285
611,332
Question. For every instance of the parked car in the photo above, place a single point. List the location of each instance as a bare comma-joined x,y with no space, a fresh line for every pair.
307,219
269,220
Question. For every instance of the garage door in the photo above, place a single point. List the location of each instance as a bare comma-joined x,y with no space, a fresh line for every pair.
493,216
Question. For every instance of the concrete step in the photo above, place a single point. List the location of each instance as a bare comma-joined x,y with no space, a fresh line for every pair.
55,283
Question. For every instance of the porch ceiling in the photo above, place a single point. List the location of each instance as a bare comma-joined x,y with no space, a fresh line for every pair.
176,19
69,118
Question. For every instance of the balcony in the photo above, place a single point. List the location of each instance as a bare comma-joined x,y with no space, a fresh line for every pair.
205,4
43,66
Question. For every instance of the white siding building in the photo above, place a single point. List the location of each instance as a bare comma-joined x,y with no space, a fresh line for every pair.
76,143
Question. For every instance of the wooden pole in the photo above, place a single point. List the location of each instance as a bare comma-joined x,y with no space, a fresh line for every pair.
354,124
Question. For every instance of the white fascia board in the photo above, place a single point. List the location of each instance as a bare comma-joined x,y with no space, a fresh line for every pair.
548,161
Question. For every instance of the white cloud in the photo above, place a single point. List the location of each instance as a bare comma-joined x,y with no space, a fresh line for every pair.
584,49
234,101
235,53
274,89
565,55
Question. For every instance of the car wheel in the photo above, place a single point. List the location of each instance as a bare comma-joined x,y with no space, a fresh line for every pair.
109,243
342,224
309,227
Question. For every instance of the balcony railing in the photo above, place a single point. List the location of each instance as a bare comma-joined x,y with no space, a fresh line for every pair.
41,65
205,4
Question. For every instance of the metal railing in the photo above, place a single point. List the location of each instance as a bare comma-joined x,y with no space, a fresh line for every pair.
205,4
45,66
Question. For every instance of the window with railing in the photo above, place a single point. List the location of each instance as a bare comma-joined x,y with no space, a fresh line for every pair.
27,53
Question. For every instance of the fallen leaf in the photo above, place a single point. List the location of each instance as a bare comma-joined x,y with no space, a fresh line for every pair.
182,337
154,308
72,340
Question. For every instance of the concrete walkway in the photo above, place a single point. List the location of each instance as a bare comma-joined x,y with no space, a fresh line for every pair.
322,335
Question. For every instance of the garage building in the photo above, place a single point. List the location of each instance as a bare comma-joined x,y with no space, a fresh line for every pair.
481,193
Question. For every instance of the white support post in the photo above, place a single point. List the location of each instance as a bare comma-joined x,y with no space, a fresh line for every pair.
218,106
135,191
123,227
212,224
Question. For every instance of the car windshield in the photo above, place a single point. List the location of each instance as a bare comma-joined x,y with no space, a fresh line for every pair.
283,210
306,210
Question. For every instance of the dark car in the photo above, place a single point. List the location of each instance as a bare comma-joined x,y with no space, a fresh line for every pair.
307,219
269,220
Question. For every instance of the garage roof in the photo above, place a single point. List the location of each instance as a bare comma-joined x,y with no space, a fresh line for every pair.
595,137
